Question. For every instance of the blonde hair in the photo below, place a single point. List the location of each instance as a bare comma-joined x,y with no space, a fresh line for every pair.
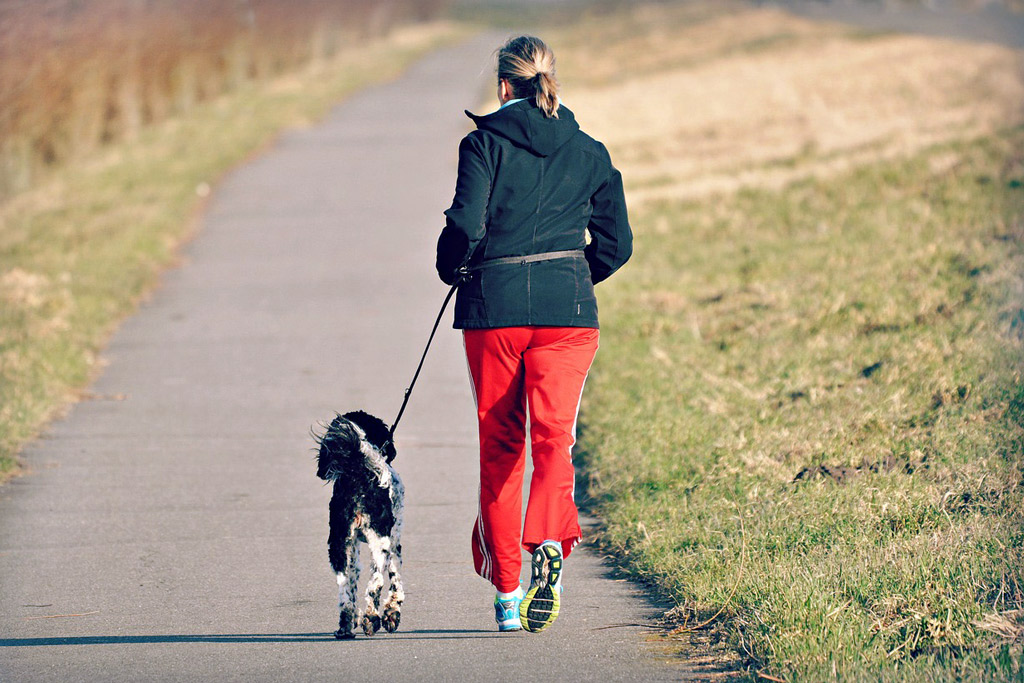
529,66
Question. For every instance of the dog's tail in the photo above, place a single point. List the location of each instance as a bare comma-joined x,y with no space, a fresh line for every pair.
339,443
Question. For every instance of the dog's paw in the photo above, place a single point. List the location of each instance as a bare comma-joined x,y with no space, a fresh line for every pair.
371,624
346,620
392,617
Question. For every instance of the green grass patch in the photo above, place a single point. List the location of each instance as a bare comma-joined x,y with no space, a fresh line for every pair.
78,251
826,381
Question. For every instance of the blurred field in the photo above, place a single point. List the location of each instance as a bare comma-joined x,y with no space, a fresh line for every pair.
75,76
759,98
80,247
808,404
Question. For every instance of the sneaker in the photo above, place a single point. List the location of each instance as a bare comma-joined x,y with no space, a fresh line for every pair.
506,611
539,608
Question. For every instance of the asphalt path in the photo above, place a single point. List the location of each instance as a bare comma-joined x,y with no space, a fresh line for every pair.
172,527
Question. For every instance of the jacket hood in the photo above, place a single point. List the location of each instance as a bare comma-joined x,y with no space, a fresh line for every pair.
525,125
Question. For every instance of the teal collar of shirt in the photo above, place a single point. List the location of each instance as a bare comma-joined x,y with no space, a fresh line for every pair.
518,99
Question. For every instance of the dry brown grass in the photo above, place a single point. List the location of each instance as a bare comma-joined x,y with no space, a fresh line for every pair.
693,100
75,76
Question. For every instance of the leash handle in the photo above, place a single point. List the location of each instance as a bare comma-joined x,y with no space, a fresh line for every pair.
463,275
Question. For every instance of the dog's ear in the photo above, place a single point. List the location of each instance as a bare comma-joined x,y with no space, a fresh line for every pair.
389,451
337,443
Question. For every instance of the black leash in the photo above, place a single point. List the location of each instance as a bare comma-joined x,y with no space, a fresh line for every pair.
464,274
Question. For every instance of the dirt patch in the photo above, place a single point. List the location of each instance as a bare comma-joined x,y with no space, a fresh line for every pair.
843,473
869,370
945,397
707,649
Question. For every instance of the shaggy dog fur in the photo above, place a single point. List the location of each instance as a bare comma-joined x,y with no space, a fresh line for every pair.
356,453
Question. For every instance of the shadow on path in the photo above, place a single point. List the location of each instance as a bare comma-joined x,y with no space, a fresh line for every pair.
422,634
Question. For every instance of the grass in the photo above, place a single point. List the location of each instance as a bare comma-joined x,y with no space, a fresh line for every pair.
79,250
838,365
808,406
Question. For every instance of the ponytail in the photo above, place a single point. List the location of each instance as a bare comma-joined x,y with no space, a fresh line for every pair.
529,67
547,94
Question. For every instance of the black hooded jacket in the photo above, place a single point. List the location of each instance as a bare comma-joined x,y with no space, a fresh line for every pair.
527,185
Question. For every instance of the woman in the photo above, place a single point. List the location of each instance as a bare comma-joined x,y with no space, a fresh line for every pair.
530,185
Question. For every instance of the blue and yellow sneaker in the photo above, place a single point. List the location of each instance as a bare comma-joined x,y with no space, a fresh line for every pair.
506,610
539,608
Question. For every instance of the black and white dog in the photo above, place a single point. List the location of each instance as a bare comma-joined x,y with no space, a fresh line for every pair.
356,454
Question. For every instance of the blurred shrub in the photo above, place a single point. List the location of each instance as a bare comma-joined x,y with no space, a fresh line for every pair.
75,74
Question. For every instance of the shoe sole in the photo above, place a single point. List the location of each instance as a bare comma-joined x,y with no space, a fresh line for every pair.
539,608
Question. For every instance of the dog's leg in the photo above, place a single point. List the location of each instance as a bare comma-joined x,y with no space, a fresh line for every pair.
345,560
396,595
380,547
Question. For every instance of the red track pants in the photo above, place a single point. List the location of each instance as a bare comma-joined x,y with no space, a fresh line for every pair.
512,368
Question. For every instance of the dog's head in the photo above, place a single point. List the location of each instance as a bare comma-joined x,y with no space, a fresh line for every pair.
340,443
375,431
